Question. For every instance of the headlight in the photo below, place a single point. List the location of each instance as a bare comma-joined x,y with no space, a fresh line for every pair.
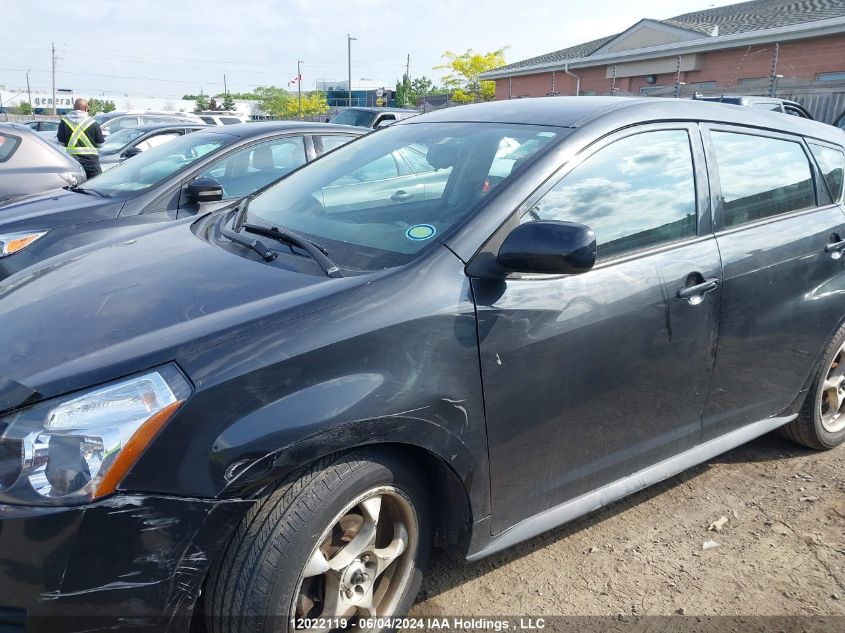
14,242
78,448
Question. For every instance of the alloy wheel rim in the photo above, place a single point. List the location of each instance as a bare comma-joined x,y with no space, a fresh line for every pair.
362,562
832,401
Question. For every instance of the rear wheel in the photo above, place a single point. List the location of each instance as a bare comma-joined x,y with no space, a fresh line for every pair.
344,541
821,422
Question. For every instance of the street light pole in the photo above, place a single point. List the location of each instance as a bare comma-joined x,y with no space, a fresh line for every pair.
28,91
299,84
349,39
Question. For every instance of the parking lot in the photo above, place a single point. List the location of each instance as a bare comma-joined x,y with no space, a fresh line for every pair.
781,552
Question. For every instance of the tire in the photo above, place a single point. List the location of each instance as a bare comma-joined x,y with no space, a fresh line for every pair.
821,422
320,516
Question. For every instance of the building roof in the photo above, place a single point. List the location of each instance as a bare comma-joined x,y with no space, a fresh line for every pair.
745,17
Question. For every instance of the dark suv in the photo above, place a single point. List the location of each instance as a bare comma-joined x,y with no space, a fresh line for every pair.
265,417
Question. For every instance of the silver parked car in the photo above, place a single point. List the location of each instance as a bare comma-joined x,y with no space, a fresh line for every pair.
29,164
114,121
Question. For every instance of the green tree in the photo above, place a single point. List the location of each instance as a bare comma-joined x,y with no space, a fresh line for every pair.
463,82
229,102
408,90
201,103
281,103
109,106
274,101
313,104
96,106
25,107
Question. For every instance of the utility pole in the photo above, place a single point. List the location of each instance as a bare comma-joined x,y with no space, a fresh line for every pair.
407,80
299,84
225,87
349,39
28,91
53,46
773,76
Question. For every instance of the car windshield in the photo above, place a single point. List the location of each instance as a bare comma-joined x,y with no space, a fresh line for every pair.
119,140
154,165
351,116
378,202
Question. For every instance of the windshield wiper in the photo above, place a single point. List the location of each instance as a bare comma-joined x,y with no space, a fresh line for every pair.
266,254
87,192
317,252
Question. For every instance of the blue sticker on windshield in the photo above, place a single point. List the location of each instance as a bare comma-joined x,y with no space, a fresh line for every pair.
420,232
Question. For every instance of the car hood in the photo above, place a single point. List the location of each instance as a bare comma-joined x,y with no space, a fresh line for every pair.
114,309
61,207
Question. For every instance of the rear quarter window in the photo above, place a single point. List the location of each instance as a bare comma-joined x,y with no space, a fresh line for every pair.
8,145
761,177
832,165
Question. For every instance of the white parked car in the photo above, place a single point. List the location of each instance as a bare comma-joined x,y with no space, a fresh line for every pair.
223,117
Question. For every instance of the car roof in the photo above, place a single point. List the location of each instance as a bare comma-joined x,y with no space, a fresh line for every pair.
377,109
575,112
149,127
18,127
261,128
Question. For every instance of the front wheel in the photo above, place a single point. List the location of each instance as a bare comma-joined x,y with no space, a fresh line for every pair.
339,545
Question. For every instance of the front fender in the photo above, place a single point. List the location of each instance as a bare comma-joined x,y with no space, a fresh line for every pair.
397,363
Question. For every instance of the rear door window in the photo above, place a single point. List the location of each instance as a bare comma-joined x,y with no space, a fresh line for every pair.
158,139
635,193
832,164
761,177
8,145
326,143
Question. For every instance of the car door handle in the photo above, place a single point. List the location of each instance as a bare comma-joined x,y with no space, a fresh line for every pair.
401,196
835,247
690,292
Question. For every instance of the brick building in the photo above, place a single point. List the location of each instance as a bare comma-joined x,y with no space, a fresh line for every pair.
792,48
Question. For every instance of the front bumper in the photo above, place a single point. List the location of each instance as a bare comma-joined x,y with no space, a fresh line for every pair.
131,562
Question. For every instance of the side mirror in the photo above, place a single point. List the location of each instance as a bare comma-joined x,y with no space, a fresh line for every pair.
548,246
385,123
204,190
132,151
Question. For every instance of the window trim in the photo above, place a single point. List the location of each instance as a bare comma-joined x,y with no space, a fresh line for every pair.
719,227
479,263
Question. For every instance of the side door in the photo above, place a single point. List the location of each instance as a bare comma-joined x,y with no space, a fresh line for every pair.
780,235
589,378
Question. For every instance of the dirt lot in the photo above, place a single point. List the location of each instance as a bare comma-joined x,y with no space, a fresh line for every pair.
781,551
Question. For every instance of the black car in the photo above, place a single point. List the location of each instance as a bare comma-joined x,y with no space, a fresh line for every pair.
265,417
372,117
175,180
29,164
130,142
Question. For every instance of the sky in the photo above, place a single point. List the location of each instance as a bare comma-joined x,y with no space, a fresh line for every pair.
170,48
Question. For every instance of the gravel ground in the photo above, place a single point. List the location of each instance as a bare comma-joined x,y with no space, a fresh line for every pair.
780,551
